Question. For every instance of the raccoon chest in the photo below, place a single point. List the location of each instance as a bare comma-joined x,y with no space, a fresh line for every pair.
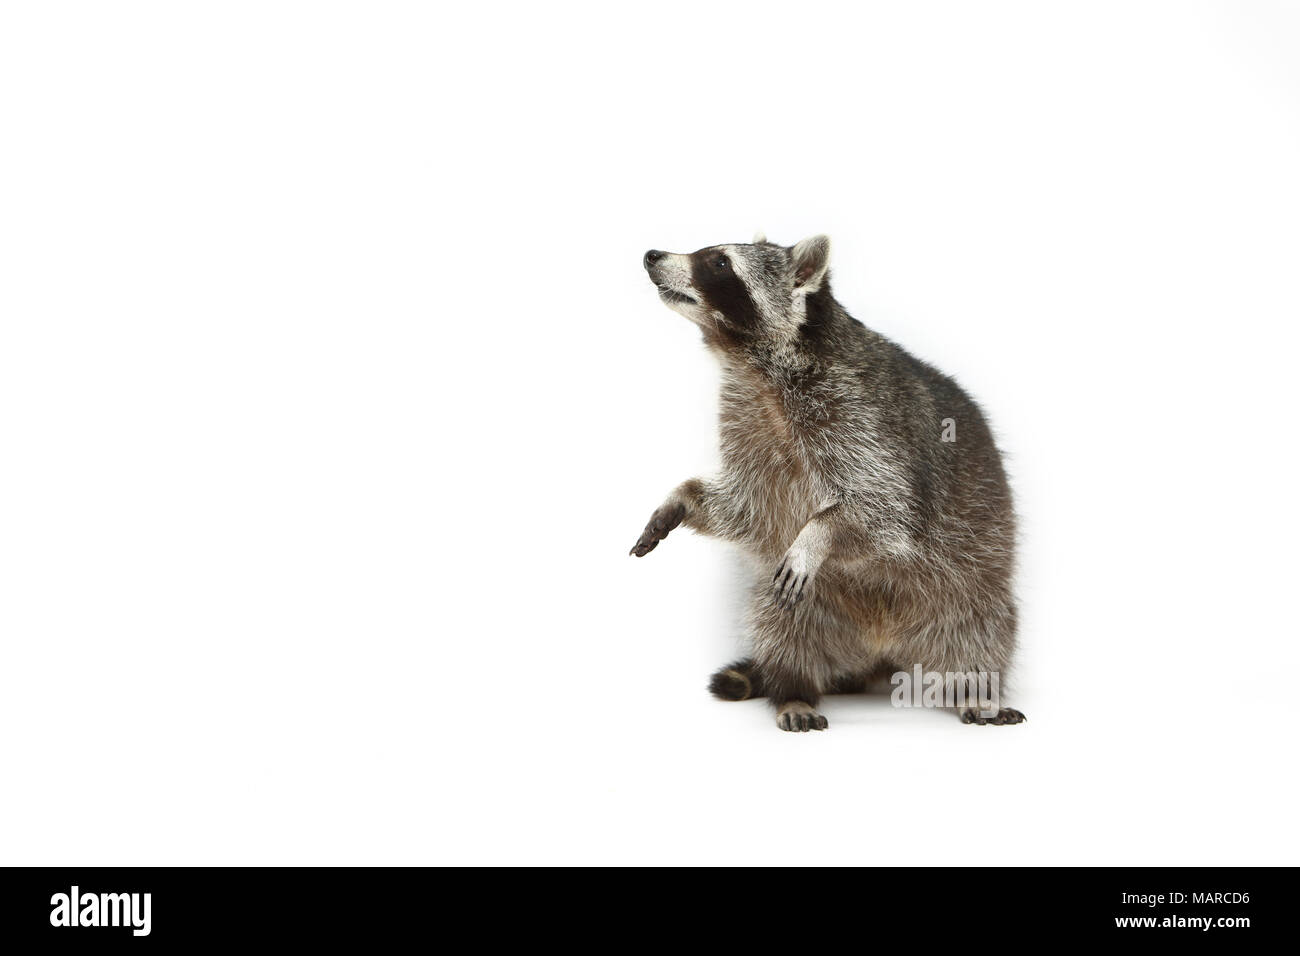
767,467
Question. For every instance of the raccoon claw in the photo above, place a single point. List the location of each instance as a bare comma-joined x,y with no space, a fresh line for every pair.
802,723
1005,715
791,581
800,718
662,521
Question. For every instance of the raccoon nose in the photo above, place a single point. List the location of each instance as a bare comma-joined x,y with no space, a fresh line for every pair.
653,256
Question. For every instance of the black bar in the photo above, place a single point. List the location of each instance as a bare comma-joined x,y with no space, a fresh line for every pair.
788,906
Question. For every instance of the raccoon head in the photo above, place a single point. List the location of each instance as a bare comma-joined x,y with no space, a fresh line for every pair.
743,293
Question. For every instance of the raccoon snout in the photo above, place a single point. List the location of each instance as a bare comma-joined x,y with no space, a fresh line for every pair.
653,256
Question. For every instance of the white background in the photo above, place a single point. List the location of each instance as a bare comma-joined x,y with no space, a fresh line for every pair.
333,394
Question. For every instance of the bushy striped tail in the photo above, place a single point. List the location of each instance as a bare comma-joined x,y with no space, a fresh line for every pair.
738,681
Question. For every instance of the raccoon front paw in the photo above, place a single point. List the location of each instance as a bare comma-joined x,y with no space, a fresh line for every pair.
665,518
792,580
800,717
1005,715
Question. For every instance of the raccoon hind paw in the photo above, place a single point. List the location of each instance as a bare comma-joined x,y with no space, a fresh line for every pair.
1003,717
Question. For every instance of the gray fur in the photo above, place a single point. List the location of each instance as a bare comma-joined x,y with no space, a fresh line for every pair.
873,543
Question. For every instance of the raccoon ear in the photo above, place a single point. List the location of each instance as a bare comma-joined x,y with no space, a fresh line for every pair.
811,257
759,238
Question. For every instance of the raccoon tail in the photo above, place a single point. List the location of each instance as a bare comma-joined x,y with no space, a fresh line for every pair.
738,681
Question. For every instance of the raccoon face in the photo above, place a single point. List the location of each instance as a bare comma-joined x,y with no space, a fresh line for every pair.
742,293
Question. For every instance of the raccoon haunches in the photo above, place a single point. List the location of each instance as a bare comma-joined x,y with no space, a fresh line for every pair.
863,484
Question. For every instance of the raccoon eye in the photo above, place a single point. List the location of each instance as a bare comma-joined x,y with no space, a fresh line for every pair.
721,262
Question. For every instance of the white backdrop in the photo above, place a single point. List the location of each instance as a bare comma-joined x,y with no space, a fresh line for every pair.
333,394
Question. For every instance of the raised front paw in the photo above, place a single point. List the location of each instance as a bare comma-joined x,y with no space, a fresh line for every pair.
1005,715
793,579
665,518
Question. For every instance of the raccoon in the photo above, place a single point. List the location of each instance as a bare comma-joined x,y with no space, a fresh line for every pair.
863,485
